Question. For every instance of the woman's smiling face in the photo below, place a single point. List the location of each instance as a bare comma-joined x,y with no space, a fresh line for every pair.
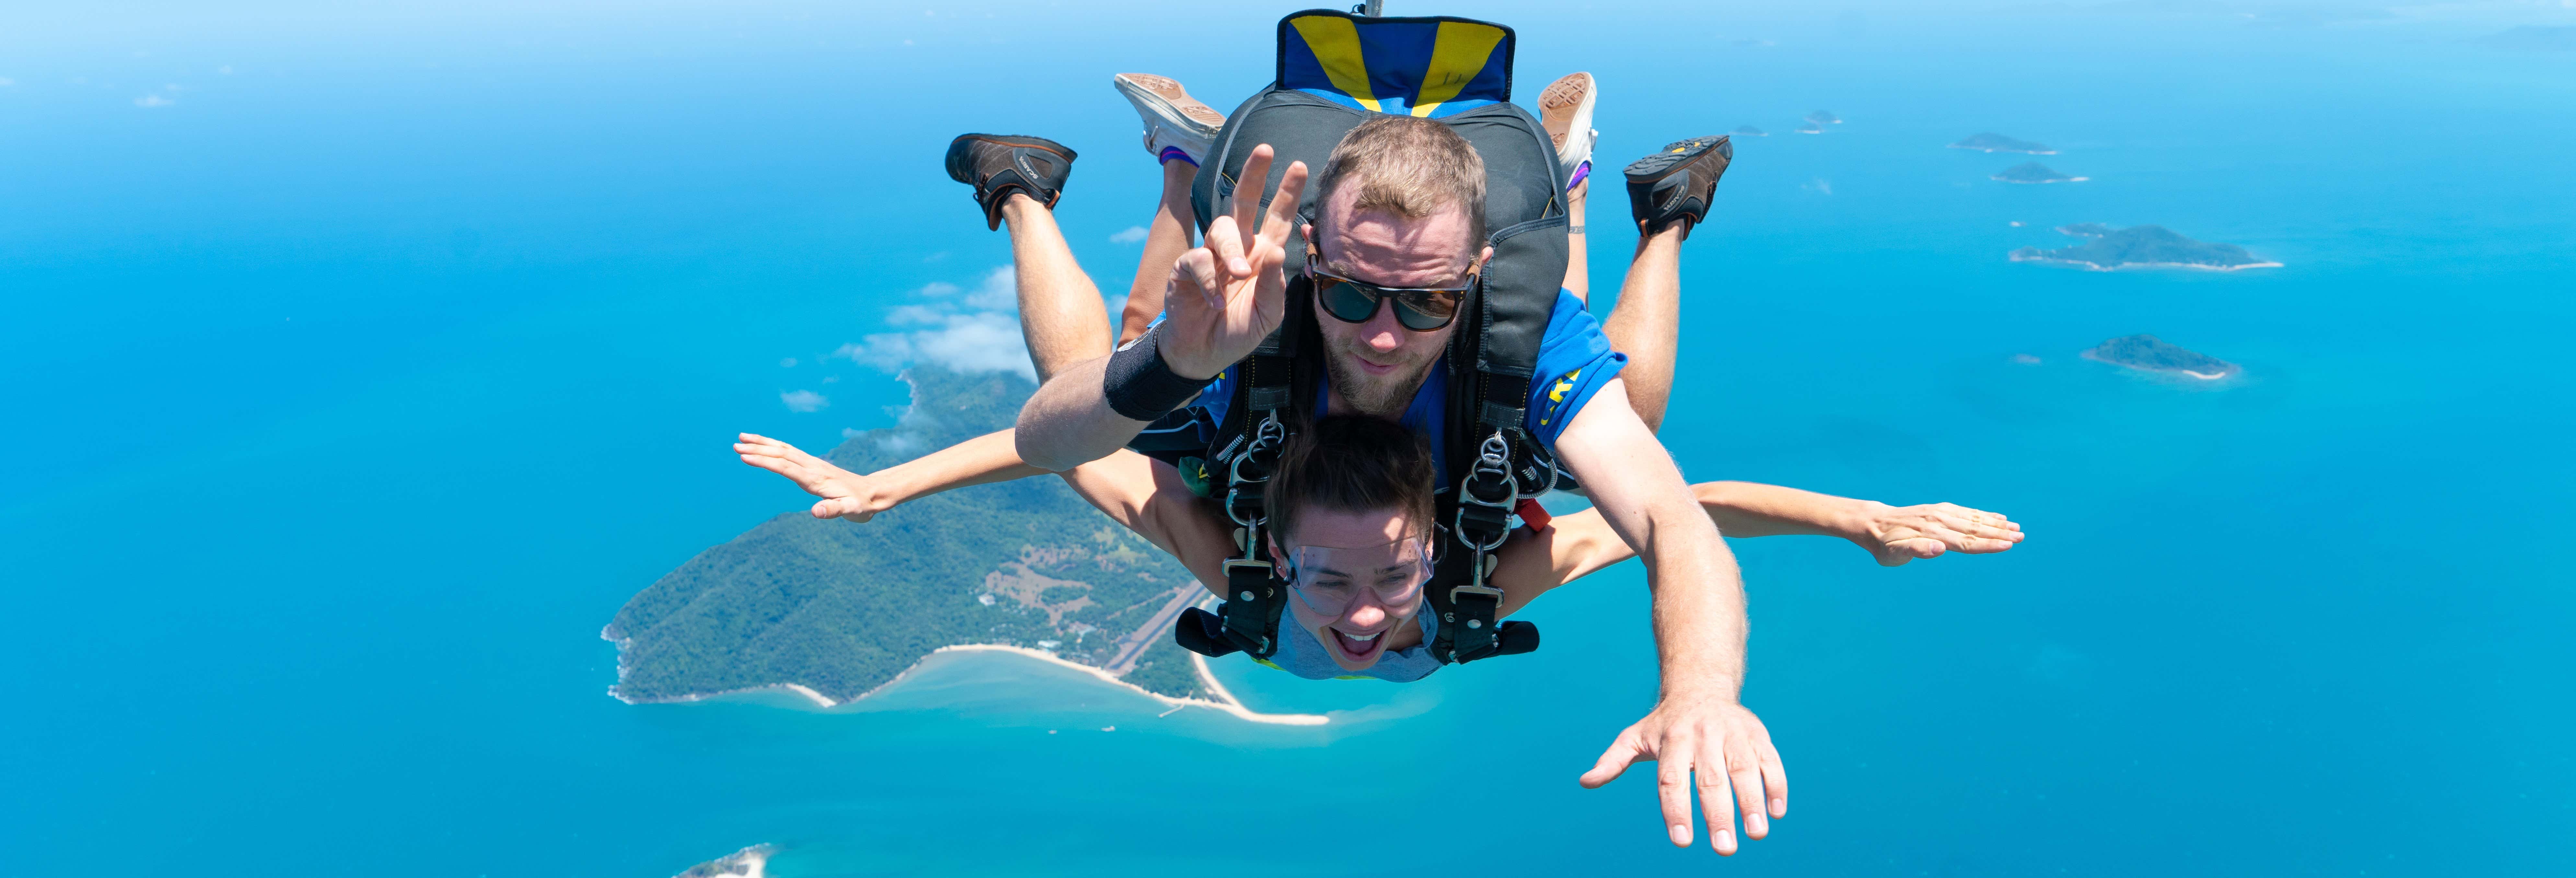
1369,559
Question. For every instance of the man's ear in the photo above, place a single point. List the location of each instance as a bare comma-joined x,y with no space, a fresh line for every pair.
1486,257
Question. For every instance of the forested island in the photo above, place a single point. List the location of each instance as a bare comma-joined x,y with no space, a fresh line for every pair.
750,862
1824,117
1991,142
2157,355
1750,131
2033,172
2140,247
839,609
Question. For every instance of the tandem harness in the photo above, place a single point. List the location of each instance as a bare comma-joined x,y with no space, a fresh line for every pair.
1334,69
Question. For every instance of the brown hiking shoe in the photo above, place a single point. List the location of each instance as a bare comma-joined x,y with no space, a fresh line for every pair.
995,164
1678,182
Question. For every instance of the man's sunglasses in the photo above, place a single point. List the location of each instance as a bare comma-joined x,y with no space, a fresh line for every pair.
1421,309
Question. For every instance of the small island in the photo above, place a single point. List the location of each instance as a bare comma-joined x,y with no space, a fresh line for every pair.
1750,131
1824,117
1811,128
2154,354
2138,247
834,610
1991,142
750,862
2033,172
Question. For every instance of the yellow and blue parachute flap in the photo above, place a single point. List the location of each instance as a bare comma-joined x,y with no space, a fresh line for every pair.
1425,66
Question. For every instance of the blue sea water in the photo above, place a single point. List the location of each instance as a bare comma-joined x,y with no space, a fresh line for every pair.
360,362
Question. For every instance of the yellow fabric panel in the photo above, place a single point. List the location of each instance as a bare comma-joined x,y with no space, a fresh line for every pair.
1336,44
1457,55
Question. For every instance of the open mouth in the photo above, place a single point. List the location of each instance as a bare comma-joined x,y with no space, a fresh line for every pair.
1358,647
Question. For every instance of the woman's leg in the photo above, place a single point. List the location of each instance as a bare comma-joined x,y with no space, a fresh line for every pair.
1578,265
1173,232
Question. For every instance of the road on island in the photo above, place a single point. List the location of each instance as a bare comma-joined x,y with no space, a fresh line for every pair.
1134,644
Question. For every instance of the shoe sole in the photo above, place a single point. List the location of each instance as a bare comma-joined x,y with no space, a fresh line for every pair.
960,171
1646,170
1565,107
1164,97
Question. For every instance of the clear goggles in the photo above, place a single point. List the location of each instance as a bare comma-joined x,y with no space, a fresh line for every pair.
1330,579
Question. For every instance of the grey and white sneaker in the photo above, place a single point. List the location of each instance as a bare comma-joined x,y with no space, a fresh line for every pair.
1565,109
1176,125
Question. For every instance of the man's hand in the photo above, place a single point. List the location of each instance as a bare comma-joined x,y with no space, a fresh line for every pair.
1897,534
845,494
1226,296
1718,741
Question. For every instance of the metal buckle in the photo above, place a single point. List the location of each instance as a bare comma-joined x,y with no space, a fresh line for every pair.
1486,590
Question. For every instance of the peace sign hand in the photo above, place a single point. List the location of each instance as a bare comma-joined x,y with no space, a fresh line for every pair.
1227,296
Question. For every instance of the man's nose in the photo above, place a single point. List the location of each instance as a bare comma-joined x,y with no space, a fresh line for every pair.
1383,332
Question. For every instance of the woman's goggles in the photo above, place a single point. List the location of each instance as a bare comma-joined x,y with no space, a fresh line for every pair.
1330,579
1421,309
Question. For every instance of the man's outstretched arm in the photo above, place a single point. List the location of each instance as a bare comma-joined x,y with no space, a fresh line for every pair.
1697,727
1223,299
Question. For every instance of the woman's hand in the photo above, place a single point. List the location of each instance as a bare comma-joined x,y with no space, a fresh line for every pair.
845,494
1897,534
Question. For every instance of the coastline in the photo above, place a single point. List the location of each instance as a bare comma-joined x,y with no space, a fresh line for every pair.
2232,370
1999,179
2014,151
2135,266
1224,699
750,862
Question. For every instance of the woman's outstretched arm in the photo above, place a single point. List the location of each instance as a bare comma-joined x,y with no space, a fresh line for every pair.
981,460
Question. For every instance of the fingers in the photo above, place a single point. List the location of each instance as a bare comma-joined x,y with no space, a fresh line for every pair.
1774,776
1197,274
1673,788
1717,804
1256,173
1282,217
1228,247
777,465
1745,770
1614,762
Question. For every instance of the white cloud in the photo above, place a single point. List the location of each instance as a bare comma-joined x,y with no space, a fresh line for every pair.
1131,235
1000,291
153,101
6,82
1819,184
803,401
975,332
788,363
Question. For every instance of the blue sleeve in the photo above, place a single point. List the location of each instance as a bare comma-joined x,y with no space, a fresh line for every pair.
1574,362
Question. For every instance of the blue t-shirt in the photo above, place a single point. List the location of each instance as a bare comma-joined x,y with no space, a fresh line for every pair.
1574,362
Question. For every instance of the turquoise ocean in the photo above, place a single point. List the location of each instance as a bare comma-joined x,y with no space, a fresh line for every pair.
358,362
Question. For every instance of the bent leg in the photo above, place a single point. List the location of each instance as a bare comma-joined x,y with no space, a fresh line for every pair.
1578,262
1172,233
1646,322
1061,312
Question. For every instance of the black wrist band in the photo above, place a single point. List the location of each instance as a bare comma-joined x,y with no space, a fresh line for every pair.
1141,386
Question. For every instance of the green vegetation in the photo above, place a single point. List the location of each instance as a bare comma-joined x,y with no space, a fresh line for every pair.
2140,247
2150,352
843,608
1991,142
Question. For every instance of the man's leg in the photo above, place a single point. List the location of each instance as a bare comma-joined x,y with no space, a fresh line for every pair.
1668,192
1646,322
1174,232
1578,265
1061,312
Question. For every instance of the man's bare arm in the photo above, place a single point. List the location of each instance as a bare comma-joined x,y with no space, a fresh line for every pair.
1148,497
1222,300
1697,727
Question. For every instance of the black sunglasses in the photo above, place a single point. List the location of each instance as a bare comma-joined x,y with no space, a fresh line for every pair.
1421,309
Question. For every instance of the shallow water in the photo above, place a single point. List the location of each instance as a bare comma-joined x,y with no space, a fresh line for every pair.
353,390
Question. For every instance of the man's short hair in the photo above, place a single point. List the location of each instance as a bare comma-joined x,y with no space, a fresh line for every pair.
1351,463
1410,167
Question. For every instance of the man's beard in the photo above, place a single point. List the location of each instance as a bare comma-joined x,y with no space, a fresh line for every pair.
1383,397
